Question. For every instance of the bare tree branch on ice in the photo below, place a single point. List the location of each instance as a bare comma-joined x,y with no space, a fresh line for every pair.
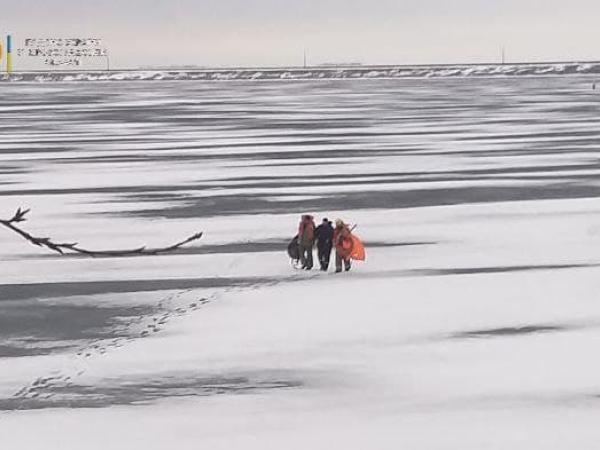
62,248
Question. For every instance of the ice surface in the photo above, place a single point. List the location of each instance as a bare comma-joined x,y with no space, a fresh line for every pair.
473,323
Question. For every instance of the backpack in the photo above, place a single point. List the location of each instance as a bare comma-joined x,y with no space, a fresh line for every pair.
293,249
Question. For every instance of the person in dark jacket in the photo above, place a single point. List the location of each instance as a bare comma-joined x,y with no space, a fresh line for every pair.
306,241
324,238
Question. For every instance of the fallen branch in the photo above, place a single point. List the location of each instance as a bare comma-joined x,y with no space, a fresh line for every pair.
20,216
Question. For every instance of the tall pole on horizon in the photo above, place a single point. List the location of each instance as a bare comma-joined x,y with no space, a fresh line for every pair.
503,58
9,66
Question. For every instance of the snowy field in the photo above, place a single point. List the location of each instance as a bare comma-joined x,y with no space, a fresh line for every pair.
472,325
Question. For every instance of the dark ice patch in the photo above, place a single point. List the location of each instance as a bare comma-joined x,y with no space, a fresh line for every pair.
12,170
510,331
31,327
549,174
26,349
268,246
502,269
239,204
76,288
132,391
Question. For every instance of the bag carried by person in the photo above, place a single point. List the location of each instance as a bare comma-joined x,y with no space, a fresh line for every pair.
294,250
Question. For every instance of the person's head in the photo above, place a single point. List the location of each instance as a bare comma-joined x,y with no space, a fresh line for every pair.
339,223
325,220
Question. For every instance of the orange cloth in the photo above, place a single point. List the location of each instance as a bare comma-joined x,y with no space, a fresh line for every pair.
358,249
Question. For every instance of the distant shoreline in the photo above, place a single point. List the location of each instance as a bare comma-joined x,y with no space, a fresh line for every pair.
313,72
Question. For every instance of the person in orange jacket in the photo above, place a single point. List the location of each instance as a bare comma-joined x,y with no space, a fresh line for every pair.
342,239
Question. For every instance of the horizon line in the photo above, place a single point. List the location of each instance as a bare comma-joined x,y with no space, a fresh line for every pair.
322,66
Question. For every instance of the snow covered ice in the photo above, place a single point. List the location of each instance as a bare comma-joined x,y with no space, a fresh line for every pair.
473,324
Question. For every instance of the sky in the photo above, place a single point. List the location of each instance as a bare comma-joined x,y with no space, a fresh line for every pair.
276,33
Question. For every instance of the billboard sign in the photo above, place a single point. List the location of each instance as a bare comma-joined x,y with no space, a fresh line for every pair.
63,52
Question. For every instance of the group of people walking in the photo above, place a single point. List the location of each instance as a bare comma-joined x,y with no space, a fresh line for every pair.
326,237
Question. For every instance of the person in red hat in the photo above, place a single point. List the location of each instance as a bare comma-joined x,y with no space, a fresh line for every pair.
306,241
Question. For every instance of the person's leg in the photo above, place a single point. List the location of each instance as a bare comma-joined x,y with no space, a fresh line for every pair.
338,262
326,258
347,264
321,255
302,256
309,258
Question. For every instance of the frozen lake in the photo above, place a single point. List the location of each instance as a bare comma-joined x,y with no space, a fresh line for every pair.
472,324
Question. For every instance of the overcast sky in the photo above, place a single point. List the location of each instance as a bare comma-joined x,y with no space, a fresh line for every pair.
275,32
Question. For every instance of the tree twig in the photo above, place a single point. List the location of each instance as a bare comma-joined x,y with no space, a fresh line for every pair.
63,248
